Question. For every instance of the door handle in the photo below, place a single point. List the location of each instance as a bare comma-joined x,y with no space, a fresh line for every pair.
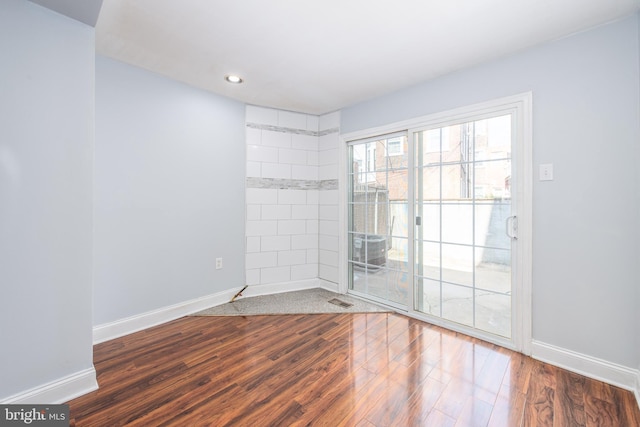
511,225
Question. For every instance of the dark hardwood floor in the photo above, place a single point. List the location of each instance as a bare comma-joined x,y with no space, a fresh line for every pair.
377,369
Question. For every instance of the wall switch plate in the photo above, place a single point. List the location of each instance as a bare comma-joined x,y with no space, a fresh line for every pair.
546,172
218,263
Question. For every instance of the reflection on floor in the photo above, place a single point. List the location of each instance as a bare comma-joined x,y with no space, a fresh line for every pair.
362,369
446,299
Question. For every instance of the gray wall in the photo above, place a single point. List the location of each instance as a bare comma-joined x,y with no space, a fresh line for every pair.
46,149
169,192
637,336
585,222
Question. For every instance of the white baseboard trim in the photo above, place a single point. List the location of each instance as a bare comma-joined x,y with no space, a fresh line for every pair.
129,325
330,286
637,390
278,288
58,391
592,367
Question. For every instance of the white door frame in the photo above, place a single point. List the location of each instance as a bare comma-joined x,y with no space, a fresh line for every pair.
522,158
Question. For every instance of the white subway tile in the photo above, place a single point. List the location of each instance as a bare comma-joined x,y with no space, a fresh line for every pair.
304,212
253,136
275,275
253,213
329,228
294,157
304,172
287,227
312,158
275,243
304,142
312,226
328,197
328,273
254,170
276,211
291,120
328,172
259,153
276,170
329,121
329,243
253,277
301,272
305,241
327,212
261,115
312,197
273,138
292,197
313,122
328,258
292,257
328,157
312,255
328,142
261,260
261,196
253,244
261,228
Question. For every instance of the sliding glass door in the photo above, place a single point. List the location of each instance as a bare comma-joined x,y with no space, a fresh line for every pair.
464,223
378,219
432,220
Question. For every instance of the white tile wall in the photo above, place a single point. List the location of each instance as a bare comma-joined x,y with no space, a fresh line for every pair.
287,119
304,212
253,244
304,172
262,228
254,169
262,259
252,276
276,139
328,224
292,257
253,213
276,170
292,234
304,142
291,227
307,241
329,121
260,153
295,157
292,197
301,272
275,243
313,197
254,136
276,211
265,116
275,275
261,196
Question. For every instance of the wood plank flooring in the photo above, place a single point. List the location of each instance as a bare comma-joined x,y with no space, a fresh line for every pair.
374,369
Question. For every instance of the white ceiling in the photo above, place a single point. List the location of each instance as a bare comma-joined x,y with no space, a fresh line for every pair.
317,56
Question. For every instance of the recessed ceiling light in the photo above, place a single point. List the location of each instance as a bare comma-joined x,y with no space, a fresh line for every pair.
232,78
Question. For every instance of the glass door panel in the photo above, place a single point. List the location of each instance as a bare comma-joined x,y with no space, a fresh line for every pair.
378,265
462,269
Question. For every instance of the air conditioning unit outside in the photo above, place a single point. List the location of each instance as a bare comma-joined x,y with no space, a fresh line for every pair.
370,249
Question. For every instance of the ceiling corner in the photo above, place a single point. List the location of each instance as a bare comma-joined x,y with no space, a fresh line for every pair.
85,11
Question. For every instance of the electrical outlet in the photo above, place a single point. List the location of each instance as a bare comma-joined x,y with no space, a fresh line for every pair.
218,263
